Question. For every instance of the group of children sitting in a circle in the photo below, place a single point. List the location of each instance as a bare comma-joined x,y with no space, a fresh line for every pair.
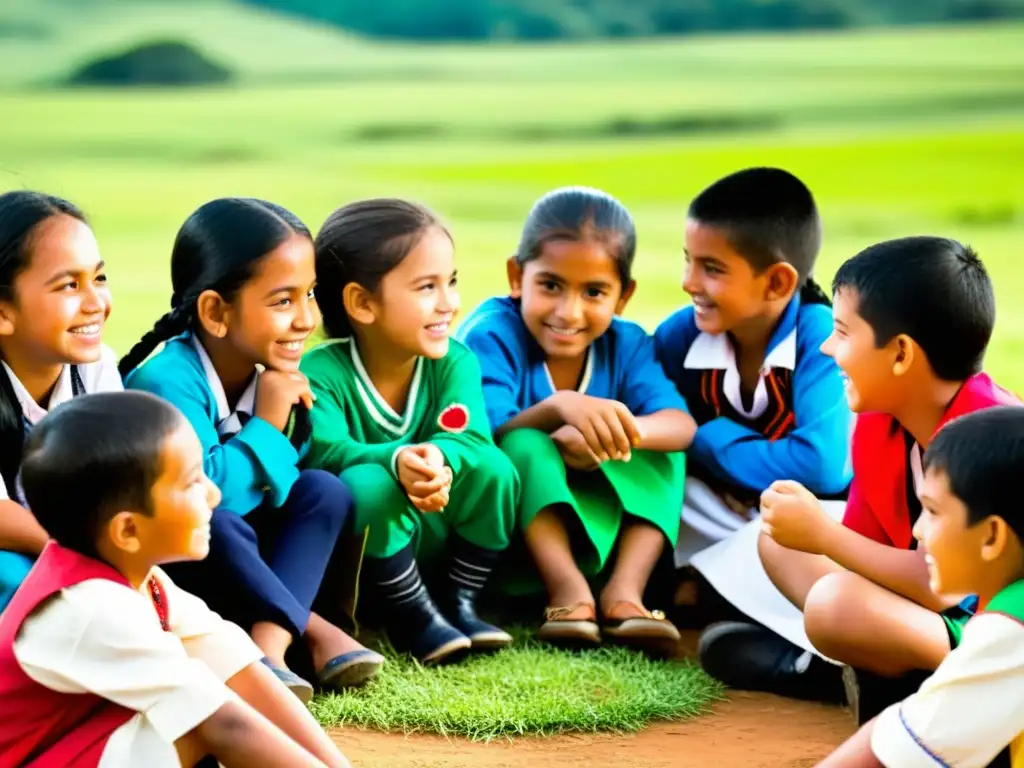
161,548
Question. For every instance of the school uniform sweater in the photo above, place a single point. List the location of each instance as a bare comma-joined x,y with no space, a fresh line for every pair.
620,364
252,463
798,425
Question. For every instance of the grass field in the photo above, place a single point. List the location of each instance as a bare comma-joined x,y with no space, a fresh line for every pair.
897,132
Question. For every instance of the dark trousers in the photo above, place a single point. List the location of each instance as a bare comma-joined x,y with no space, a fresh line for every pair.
268,565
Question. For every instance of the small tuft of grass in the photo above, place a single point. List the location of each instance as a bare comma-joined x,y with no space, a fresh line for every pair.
527,689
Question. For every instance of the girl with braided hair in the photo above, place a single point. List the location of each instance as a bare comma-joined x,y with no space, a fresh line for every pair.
242,272
54,302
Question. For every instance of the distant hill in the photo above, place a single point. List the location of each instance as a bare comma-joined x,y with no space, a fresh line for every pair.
44,40
588,19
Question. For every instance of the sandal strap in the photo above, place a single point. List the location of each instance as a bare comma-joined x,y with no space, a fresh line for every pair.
556,613
644,613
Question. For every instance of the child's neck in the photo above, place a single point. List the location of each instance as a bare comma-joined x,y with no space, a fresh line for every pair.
750,343
234,370
923,411
38,380
390,369
565,372
135,571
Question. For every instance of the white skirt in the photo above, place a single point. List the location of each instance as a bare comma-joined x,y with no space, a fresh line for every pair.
722,544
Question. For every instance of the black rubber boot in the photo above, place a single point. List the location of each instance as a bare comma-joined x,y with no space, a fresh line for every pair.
411,618
468,570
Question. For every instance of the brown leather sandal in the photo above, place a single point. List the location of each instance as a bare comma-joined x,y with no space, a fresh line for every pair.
571,625
632,624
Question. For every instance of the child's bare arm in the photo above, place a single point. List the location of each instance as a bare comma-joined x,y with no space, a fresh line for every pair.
793,517
898,570
667,431
238,737
855,752
19,530
257,686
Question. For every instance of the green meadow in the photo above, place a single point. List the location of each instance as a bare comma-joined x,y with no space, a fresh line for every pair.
898,132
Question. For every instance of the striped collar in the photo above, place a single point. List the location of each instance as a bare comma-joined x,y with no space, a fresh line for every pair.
376,406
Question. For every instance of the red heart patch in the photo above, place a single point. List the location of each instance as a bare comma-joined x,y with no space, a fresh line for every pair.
454,418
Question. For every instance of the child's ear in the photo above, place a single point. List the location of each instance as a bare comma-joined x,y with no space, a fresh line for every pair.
213,313
905,354
6,319
123,532
514,270
627,294
358,303
781,282
995,538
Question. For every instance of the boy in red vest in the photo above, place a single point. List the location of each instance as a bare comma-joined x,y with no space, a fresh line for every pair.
912,320
103,661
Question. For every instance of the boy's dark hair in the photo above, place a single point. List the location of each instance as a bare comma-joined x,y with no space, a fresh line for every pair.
218,248
580,214
982,455
21,214
92,457
768,216
360,243
934,290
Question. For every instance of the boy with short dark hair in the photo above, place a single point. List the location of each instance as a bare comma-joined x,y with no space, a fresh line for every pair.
972,529
768,404
912,320
103,661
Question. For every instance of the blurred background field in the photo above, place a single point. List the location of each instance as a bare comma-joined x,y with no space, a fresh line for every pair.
898,130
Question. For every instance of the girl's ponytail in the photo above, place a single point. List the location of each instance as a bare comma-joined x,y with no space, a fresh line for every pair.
175,322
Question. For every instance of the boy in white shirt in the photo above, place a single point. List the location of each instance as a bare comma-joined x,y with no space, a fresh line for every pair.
103,661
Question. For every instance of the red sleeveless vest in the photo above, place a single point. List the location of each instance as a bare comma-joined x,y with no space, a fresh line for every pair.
40,727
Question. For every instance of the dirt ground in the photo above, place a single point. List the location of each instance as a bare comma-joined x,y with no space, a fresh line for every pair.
750,730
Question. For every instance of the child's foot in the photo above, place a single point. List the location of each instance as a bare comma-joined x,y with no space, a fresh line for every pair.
413,621
470,567
302,689
340,661
750,657
573,624
631,624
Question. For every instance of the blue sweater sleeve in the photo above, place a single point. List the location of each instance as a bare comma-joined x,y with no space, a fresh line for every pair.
815,453
499,353
256,461
646,389
672,340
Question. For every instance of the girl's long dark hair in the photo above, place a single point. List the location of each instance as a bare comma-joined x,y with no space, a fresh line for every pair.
21,214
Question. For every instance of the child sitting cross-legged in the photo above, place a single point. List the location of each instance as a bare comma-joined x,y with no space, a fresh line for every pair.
103,661
970,712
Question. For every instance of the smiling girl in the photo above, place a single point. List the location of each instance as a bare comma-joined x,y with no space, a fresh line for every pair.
54,302
581,406
243,274
400,415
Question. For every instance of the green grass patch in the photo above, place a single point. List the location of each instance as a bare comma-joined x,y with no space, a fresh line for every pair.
529,689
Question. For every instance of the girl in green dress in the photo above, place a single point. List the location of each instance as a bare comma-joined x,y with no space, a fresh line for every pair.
400,416
583,409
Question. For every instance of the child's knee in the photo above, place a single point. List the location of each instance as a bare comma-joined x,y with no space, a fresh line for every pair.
325,491
495,468
376,492
833,607
526,446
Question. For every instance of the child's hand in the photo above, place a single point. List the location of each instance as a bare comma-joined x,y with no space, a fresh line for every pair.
793,517
424,477
607,426
574,449
277,392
